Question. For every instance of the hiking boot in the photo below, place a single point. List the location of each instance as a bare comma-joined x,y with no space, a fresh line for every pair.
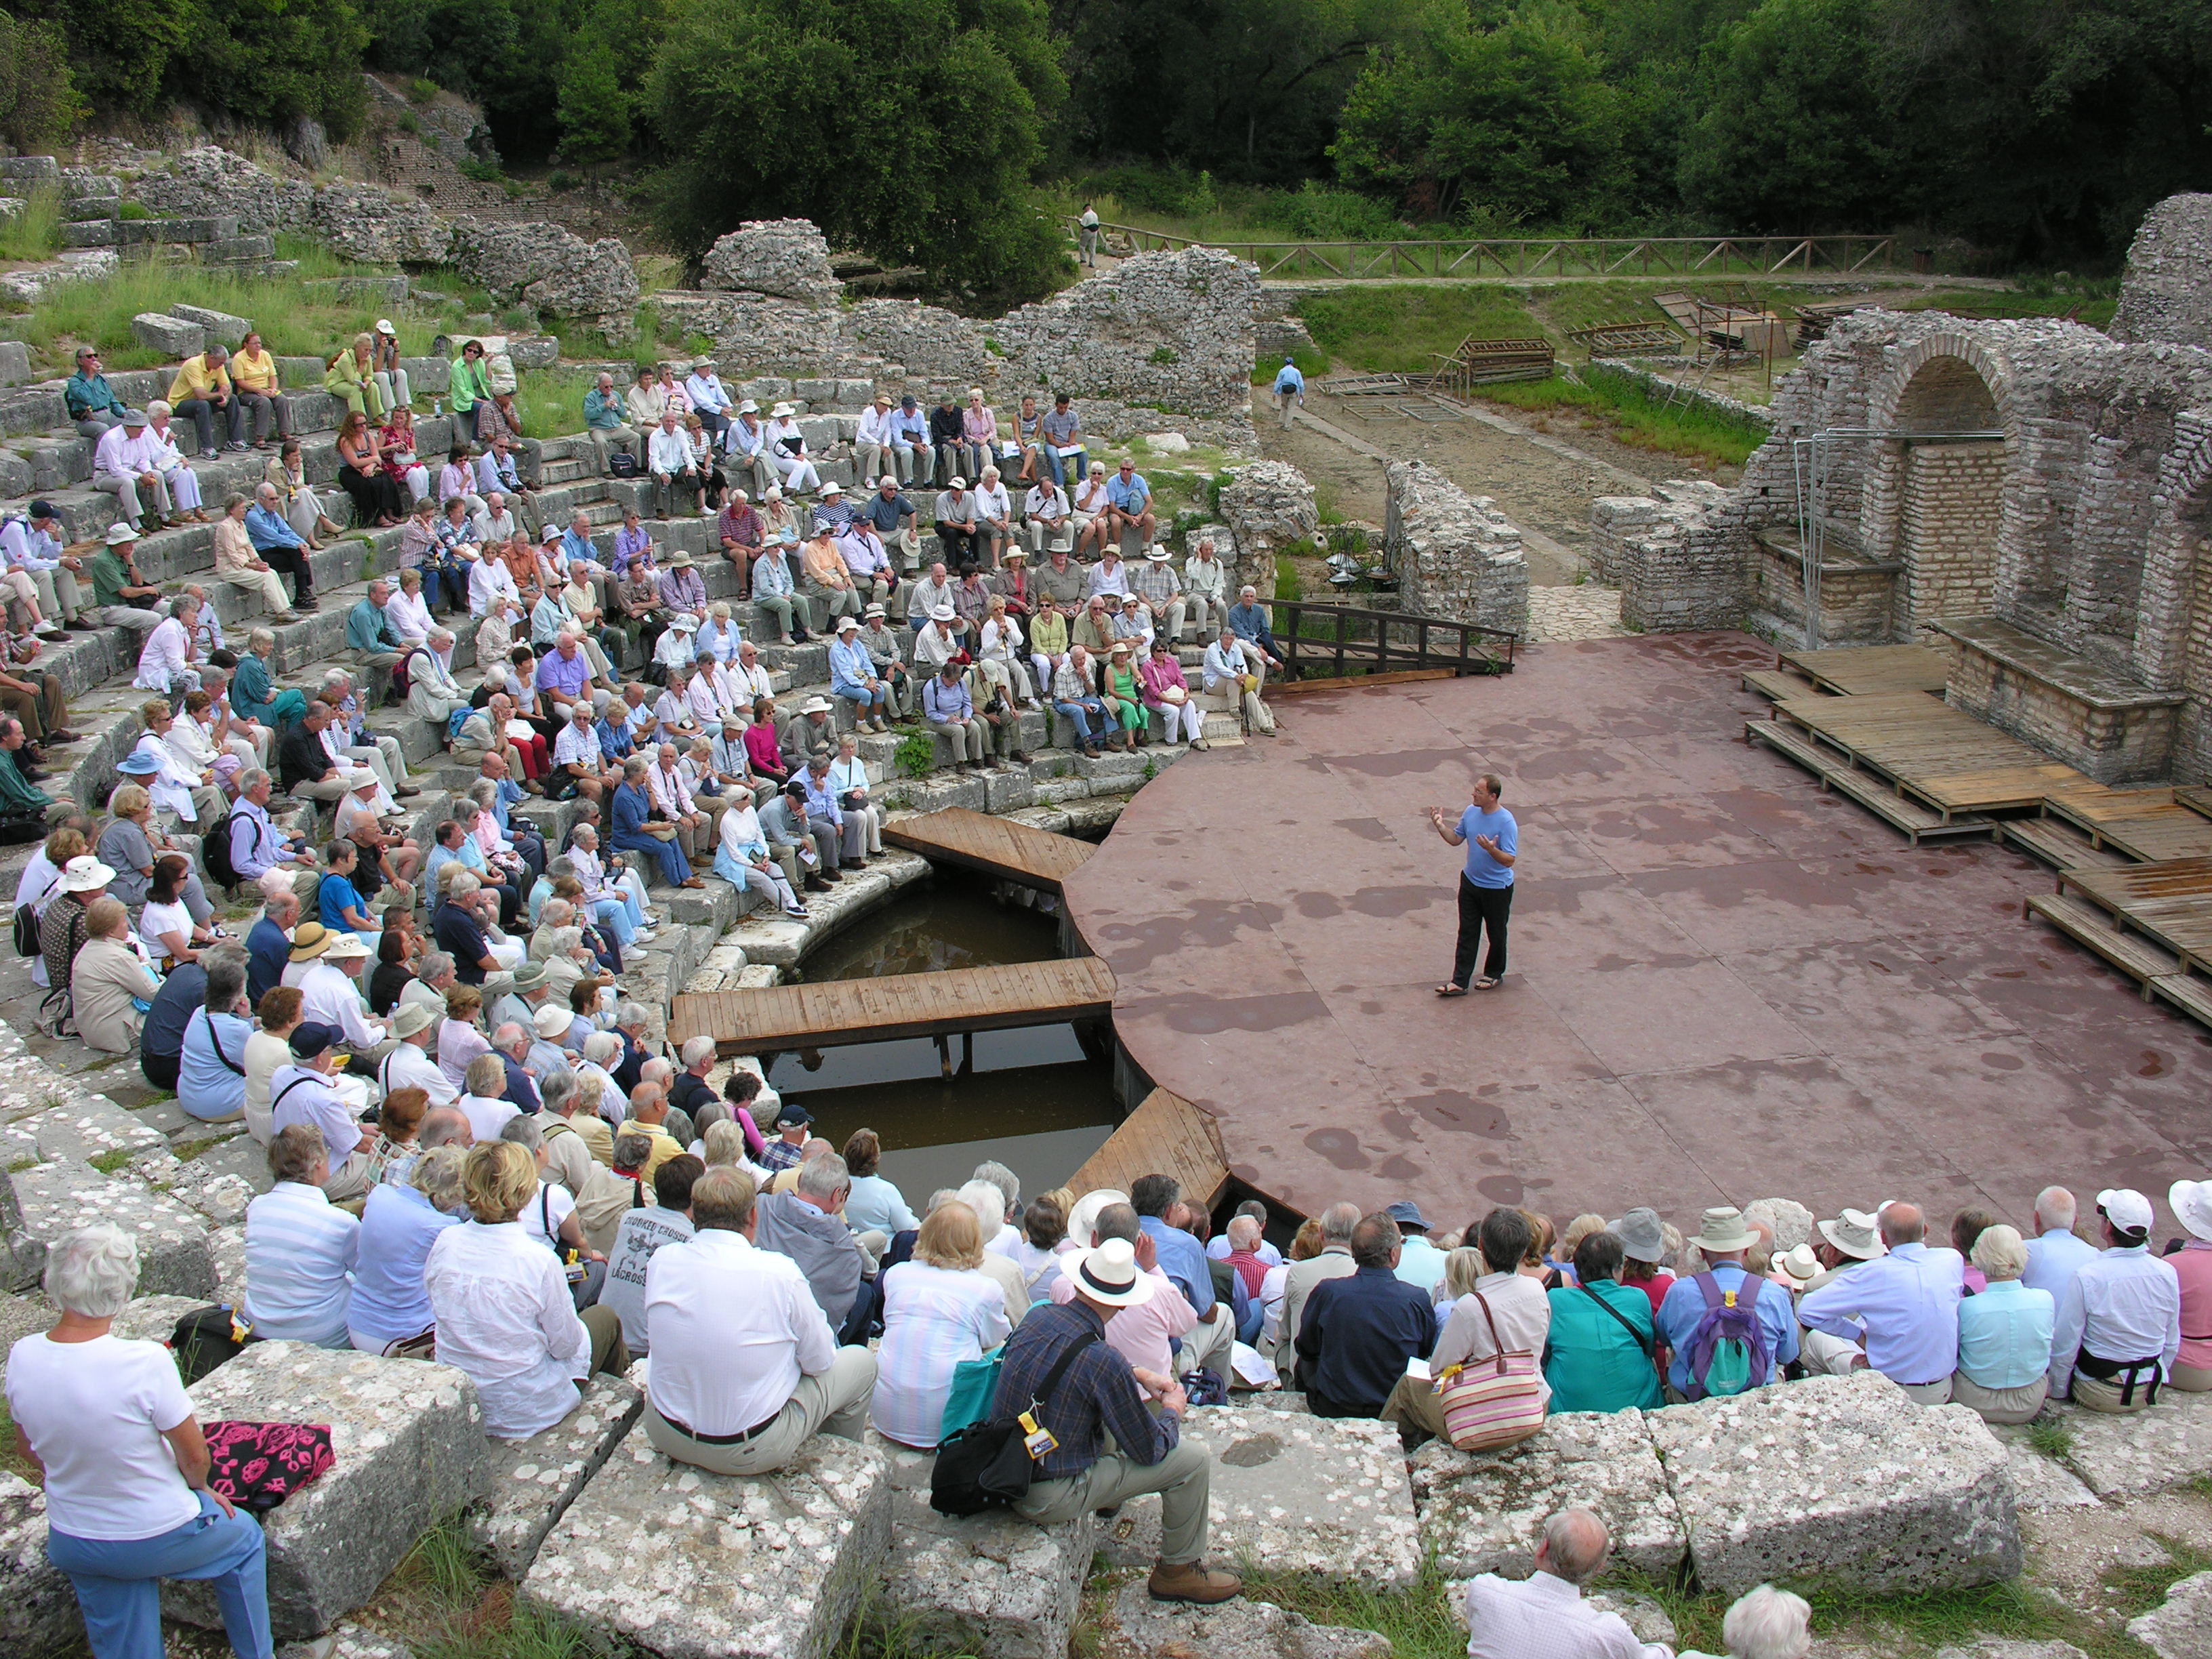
816,884
1190,1581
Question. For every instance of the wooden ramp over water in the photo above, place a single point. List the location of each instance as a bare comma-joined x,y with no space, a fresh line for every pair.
1856,671
1165,1135
836,1013
997,846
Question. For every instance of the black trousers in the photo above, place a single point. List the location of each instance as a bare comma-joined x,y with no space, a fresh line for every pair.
292,562
1480,909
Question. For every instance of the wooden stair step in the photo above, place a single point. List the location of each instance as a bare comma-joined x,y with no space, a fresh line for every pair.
2091,926
2057,843
1897,810
1776,684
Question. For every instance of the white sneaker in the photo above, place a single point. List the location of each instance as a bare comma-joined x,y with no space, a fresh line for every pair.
643,936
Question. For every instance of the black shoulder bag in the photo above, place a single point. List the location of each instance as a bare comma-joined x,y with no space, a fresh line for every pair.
987,1465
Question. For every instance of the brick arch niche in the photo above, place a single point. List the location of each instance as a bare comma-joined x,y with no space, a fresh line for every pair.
1935,498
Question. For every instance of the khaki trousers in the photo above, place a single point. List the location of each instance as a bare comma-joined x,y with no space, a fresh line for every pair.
835,1402
1182,1478
267,583
1415,1404
2094,1395
2192,1379
2000,1404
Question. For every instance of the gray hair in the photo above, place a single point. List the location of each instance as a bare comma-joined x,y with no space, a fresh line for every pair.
158,406
522,1130
564,865
823,1176
92,1272
630,1014
697,1049
2055,1210
557,1093
723,1143
1767,1623
1999,1253
486,1077
226,980
1115,1221
989,1203
509,1033
1578,1545
1005,1179
1337,1222
435,966
633,1149
294,1153
442,1125
259,640
437,1176
601,1047
252,778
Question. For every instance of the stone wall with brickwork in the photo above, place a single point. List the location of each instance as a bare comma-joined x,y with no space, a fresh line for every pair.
1953,501
1455,555
2167,292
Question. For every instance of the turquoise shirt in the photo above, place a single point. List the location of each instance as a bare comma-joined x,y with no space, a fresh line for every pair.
2004,1334
1592,1364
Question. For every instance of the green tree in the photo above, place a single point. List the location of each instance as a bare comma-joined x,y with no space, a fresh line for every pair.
602,79
1510,120
39,100
272,60
120,50
919,155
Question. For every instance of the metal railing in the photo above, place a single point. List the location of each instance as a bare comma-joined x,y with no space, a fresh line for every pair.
1343,638
1539,256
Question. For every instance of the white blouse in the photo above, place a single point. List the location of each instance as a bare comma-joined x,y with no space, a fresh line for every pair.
505,1316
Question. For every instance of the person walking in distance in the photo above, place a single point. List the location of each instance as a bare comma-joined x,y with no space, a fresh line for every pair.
1492,840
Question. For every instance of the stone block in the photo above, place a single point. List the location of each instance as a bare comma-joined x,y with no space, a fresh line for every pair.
88,232
238,250
169,335
2039,1482
1134,1626
54,1198
31,170
153,1318
1299,1494
2181,1628
1841,1478
1485,1511
533,1481
38,1606
15,362
91,1126
216,228
1998,1647
410,1449
34,408
991,1585
1123,766
2145,1451
351,1642
537,351
1008,791
692,1566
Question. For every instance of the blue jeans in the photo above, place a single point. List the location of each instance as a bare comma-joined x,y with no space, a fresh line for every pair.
118,1585
1082,713
1060,470
614,915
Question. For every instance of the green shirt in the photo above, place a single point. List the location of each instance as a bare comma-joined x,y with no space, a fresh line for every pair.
110,576
16,794
470,386
1593,1364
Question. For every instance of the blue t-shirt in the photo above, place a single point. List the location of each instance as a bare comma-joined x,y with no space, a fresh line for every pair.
1287,378
1483,870
333,896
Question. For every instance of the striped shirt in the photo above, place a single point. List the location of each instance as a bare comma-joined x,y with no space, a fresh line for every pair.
300,1252
934,1318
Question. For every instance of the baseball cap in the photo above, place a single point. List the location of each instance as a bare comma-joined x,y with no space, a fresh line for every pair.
2127,1209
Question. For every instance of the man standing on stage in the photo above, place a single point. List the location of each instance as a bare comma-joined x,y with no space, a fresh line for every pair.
1492,840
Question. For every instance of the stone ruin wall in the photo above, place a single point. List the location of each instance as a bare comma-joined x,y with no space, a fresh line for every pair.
1456,555
2166,294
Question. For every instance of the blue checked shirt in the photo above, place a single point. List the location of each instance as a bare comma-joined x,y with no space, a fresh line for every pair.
1096,1397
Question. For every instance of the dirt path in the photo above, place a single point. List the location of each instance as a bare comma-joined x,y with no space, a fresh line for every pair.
1544,483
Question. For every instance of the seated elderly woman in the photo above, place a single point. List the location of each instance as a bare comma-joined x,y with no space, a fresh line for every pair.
939,1309
389,1313
300,1248
1601,1348
124,1509
2004,1334
108,980
503,1307
398,1137
1766,1623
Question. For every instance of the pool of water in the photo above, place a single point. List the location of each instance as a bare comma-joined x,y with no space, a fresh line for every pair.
1034,1100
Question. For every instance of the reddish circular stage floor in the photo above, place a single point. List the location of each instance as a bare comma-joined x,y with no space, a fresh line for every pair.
1724,983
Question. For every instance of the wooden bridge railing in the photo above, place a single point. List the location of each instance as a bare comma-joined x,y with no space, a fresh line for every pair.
1336,639
1540,256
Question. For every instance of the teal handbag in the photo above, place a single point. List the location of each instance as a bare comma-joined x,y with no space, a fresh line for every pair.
975,1385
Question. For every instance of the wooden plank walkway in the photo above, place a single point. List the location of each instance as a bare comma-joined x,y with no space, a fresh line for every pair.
1880,799
2170,902
997,846
1941,754
836,1014
1165,1135
1857,670
2150,824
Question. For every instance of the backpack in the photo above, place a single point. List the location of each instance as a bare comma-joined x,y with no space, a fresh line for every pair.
988,1464
621,465
1728,1353
214,851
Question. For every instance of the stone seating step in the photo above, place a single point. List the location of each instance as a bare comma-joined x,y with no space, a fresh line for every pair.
531,1483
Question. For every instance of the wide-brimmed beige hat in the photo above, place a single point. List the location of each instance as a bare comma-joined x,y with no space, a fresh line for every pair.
85,874
309,940
779,412
1723,1228
552,1020
816,705
1800,1267
2191,1204
412,1019
344,946
119,533
1857,1234
1108,1274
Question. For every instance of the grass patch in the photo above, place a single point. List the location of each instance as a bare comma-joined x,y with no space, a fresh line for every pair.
1399,330
2090,308
444,1602
2049,1438
1266,366
113,1158
1418,1620
36,232
551,401
1629,413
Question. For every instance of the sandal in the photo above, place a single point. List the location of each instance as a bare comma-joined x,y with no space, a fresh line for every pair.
1486,984
1451,990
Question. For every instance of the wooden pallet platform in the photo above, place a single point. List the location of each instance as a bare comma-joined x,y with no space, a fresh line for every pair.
1165,1135
1899,811
839,1012
1855,670
997,846
2169,901
2058,844
1778,684
1940,755
2196,797
2091,928
2151,825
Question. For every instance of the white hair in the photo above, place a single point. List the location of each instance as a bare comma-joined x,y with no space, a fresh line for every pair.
1767,1623
1243,1233
1005,1179
698,1048
990,1207
2055,1210
821,1177
601,1047
1999,1253
1578,1545
93,1271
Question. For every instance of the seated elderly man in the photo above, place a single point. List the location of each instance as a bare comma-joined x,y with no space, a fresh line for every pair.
2118,1327
1358,1332
1901,1308
2057,1252
744,1368
1740,1359
807,1224
1145,1334
302,1092
1545,1613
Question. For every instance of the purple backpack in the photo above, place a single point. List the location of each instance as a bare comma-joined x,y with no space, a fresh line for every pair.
1728,1353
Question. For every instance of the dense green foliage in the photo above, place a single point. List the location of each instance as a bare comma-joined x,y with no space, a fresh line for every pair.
39,100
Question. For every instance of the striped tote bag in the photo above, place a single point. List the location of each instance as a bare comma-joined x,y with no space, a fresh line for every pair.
1495,1401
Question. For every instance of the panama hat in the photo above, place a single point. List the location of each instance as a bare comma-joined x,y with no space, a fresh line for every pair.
779,412
309,940
2191,1204
85,874
1857,1234
117,534
344,946
1108,1274
411,1019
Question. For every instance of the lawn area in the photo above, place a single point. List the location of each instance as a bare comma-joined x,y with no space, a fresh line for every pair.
1629,414
1398,329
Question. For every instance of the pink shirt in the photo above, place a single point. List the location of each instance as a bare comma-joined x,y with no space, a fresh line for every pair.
2192,1265
1140,1334
980,426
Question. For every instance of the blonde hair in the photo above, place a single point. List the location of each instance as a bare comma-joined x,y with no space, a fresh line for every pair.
103,916
129,800
497,1180
950,1238
1462,1268
1305,1244
723,1143
1579,1229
